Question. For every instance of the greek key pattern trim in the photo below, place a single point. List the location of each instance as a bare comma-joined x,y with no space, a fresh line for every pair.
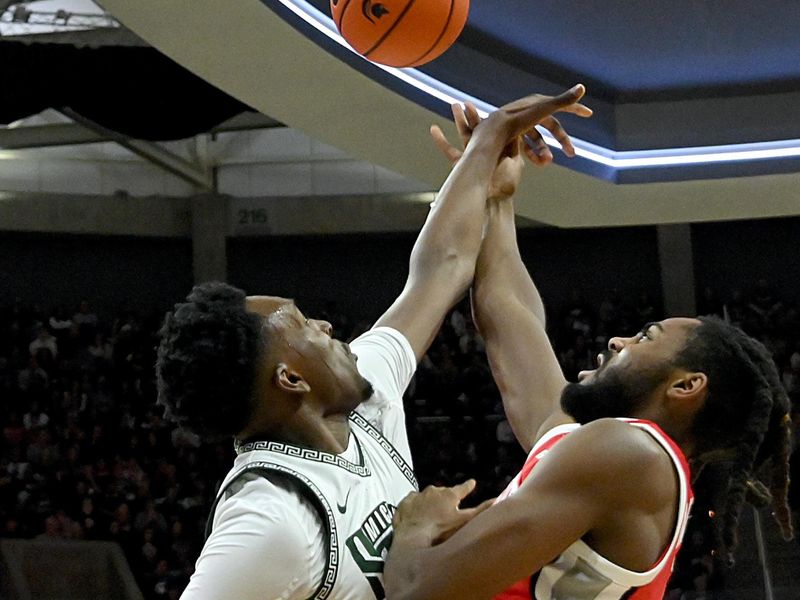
305,454
391,450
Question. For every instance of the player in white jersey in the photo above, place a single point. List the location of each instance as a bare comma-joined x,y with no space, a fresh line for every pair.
599,508
323,457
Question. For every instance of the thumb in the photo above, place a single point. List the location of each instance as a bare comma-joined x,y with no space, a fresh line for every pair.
474,512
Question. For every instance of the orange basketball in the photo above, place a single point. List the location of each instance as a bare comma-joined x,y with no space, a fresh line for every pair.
400,33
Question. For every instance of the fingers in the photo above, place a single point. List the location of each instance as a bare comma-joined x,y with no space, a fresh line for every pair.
474,512
578,109
462,123
553,126
462,490
462,517
536,149
512,150
473,118
523,114
451,153
547,104
568,98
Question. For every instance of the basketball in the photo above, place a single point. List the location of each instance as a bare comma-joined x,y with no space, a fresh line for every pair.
400,33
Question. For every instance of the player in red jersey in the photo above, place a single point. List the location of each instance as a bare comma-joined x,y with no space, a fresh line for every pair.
599,508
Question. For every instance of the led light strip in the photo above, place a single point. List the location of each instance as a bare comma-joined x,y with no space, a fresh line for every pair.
629,159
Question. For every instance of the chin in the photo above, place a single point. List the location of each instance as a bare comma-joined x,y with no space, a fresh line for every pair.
367,391
590,400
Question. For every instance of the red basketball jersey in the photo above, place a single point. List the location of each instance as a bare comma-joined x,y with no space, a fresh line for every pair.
580,573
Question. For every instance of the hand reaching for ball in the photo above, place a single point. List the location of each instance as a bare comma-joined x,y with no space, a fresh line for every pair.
508,172
518,120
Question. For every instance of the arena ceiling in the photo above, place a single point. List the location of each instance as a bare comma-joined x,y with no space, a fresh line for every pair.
672,84
680,78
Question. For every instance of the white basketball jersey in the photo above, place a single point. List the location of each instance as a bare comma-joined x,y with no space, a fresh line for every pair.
355,501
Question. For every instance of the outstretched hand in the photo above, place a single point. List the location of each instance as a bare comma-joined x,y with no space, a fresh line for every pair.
521,117
434,514
508,172
516,122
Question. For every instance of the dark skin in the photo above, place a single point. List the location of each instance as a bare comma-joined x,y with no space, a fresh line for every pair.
590,486
311,379
307,383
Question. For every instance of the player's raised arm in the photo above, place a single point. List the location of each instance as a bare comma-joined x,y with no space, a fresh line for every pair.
509,313
442,262
506,304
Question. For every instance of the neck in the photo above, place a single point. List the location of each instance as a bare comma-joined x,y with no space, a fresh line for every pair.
686,445
677,431
329,433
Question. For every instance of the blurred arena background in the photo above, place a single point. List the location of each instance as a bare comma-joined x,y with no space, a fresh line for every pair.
125,178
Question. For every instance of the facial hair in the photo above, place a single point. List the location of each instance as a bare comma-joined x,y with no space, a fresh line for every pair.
366,390
610,395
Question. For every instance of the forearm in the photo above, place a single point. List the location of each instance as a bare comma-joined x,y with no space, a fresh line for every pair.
499,269
451,237
442,263
509,313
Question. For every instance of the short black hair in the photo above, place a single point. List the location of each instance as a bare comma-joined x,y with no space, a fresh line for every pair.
207,356
745,423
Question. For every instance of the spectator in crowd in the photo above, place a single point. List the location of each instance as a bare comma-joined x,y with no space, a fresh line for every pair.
59,322
44,342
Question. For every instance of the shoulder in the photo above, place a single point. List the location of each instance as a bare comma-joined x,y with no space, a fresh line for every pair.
385,359
271,505
614,459
383,340
621,448
261,524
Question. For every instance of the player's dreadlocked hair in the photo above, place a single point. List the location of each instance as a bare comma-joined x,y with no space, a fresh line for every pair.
745,422
206,366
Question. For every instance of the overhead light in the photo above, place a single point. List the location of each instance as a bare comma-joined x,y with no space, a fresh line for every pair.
620,160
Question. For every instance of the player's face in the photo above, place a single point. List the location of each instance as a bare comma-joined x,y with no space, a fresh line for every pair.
629,372
306,346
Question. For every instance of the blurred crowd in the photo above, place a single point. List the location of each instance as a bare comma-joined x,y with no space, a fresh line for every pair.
87,455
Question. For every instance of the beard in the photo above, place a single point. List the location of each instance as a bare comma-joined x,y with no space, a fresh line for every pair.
366,390
611,395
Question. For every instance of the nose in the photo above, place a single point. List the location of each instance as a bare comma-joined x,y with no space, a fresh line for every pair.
324,326
616,344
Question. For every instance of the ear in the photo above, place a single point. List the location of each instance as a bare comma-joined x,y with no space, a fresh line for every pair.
687,386
290,380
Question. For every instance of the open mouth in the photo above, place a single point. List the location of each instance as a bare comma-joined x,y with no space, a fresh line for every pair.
601,360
